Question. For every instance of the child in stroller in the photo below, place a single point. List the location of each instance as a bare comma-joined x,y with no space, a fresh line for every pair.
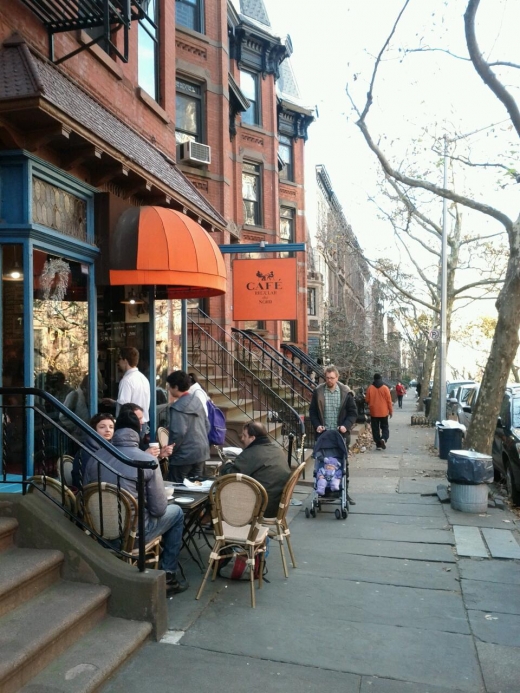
330,474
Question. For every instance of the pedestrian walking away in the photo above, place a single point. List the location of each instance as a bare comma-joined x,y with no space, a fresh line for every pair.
333,407
379,402
400,391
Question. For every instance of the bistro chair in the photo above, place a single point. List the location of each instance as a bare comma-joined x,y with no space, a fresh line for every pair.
65,463
55,490
278,526
111,513
237,503
163,436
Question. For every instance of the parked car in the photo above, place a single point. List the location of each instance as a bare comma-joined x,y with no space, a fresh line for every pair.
451,388
506,443
466,400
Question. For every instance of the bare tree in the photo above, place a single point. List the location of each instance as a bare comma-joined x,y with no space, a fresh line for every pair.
505,340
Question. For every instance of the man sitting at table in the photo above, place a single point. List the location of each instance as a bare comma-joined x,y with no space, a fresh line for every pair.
264,461
160,518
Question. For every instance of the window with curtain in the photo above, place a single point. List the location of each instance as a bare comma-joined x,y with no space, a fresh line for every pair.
188,112
311,301
148,48
189,13
288,330
249,87
286,227
285,150
251,193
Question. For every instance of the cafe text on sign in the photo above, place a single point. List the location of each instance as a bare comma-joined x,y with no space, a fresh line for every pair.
264,289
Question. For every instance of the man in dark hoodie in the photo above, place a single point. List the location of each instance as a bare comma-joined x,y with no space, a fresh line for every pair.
379,402
160,518
189,429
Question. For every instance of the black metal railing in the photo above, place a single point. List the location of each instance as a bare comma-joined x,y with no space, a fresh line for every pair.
38,434
224,374
307,363
289,371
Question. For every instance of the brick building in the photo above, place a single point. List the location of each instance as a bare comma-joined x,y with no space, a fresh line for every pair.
190,108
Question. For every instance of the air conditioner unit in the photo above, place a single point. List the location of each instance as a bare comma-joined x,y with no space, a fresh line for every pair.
194,153
314,325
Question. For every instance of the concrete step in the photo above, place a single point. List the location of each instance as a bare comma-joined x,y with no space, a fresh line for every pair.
8,526
24,573
41,629
85,666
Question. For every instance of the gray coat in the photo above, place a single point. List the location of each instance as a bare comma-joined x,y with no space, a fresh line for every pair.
189,429
127,441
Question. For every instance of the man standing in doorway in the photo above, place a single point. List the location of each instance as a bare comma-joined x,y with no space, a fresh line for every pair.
133,386
379,402
333,407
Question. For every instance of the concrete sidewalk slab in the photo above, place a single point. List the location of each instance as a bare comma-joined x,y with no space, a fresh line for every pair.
373,507
357,648
503,572
399,532
371,684
491,596
469,542
376,521
365,602
419,485
390,571
501,543
390,549
367,484
497,628
500,667
162,668
493,517
394,497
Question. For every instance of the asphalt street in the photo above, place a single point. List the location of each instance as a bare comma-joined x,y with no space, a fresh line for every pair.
390,600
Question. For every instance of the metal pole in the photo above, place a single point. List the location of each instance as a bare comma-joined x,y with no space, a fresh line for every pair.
184,334
444,292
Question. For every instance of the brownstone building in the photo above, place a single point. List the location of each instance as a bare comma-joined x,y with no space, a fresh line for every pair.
108,109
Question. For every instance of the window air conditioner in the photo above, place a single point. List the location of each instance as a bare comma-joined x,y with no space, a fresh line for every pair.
194,153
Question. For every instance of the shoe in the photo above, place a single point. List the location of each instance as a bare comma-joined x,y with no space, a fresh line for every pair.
175,585
350,500
383,445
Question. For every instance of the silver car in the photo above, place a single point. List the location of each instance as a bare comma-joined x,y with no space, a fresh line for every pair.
466,403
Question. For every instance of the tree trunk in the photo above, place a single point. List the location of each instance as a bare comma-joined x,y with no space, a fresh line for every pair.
429,359
501,357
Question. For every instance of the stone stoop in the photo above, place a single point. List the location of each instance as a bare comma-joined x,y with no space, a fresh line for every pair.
55,634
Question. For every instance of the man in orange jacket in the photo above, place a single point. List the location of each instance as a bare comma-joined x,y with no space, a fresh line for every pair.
379,402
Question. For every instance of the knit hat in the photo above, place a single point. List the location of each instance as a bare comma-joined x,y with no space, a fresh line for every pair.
128,419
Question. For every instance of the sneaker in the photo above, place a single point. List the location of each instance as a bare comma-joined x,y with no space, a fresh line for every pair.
350,500
383,445
174,584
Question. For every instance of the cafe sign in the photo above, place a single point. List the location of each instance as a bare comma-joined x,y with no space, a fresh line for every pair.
264,289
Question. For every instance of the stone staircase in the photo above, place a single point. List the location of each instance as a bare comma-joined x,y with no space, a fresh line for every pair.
56,635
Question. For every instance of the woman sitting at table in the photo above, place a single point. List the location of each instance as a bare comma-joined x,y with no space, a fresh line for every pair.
160,518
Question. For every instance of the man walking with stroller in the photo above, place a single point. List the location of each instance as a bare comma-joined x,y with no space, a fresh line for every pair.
379,402
333,407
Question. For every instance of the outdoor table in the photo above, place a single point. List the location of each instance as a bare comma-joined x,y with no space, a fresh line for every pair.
193,513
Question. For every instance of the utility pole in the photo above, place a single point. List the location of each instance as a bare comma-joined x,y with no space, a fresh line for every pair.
444,292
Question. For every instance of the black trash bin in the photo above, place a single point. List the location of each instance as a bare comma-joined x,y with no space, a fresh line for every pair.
449,439
427,403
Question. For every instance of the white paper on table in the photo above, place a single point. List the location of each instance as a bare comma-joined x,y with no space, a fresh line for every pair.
202,486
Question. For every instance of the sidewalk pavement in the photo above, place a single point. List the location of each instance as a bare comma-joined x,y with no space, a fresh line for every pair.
391,600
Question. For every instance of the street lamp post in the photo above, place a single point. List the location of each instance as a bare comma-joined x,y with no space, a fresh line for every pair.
444,292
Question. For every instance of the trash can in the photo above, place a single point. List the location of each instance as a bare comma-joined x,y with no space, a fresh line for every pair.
469,473
449,439
427,403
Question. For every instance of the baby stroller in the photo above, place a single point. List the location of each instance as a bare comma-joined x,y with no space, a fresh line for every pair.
330,444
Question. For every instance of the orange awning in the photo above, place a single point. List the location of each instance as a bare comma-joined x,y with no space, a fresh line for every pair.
163,247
